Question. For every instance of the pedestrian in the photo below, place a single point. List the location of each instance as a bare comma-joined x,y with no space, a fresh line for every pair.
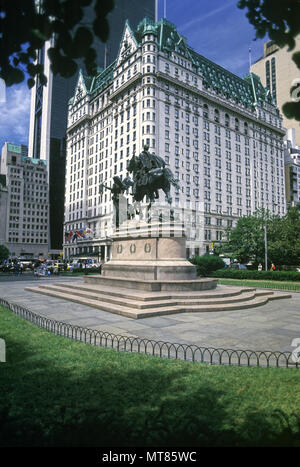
16,269
259,267
21,268
273,267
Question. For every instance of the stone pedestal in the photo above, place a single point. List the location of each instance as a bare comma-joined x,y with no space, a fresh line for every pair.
149,252
149,276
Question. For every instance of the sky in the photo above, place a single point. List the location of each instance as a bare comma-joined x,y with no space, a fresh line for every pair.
217,29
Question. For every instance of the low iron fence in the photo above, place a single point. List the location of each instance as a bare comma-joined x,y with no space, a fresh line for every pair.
192,353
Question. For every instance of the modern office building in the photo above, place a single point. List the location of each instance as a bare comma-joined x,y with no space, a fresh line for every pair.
277,72
221,136
292,169
24,205
49,108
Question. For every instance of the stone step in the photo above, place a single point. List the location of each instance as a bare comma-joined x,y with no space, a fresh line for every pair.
164,308
112,308
135,302
157,301
131,302
242,297
145,296
153,285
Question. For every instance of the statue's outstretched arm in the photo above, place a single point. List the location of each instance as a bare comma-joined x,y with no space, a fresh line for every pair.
105,186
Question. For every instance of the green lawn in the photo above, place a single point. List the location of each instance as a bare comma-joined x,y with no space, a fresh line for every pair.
58,392
292,286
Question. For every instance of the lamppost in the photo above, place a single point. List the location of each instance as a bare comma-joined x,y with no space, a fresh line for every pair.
266,238
266,246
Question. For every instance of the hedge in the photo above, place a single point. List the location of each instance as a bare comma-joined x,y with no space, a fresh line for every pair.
86,270
206,264
264,275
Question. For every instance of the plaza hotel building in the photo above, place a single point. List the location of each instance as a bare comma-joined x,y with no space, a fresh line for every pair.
221,135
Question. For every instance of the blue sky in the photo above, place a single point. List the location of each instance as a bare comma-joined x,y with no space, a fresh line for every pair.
216,29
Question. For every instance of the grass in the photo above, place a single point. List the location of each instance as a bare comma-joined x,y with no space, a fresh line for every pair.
58,392
292,286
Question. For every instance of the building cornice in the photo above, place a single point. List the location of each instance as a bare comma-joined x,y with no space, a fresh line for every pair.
220,101
124,86
79,121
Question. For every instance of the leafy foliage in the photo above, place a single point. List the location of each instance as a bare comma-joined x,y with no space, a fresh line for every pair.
25,28
292,276
284,238
280,20
4,252
207,264
245,241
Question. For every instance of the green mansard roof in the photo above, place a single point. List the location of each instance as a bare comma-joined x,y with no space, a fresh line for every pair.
247,91
244,90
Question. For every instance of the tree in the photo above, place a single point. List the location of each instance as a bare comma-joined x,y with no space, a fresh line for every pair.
284,238
4,252
25,27
245,241
280,20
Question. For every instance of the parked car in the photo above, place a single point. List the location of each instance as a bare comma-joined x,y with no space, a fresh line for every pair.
84,263
238,266
92,263
58,265
7,267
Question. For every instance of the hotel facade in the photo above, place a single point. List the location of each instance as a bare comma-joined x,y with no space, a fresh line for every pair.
221,135
49,108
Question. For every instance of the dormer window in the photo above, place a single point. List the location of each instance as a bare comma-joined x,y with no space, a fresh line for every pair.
217,117
79,93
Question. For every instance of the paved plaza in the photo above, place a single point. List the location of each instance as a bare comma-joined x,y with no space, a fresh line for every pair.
269,327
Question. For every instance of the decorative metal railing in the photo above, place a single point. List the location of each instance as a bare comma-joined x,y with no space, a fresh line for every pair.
145,346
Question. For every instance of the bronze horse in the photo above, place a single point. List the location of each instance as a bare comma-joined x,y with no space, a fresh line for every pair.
148,181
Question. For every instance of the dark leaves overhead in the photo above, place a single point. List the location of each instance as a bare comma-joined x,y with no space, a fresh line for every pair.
279,19
24,31
101,28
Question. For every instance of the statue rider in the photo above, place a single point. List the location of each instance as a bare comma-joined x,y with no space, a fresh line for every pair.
117,190
147,165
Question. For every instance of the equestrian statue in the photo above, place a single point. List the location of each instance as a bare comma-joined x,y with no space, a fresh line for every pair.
149,175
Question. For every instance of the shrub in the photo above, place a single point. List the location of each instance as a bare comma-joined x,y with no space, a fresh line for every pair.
257,275
4,252
87,270
207,264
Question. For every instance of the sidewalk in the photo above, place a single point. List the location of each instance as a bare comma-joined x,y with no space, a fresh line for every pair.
270,327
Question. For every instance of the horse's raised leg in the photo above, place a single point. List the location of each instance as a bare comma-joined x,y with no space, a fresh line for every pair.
169,198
